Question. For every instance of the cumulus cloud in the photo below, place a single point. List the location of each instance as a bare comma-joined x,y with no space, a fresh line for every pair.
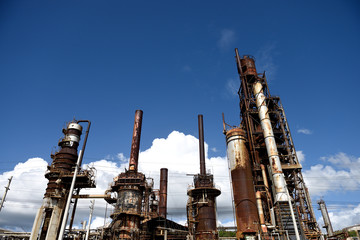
342,174
227,38
301,156
304,131
178,152
25,195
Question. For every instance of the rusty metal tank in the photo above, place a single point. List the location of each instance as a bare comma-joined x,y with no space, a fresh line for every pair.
248,65
247,218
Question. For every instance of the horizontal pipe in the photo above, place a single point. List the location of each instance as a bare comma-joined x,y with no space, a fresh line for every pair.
91,196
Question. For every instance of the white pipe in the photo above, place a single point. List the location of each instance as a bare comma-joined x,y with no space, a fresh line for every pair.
277,174
293,217
66,213
89,223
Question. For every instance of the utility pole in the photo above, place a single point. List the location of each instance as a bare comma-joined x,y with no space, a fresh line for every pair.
6,190
89,223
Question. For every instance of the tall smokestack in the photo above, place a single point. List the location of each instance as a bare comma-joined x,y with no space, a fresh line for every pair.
163,192
202,199
135,144
201,145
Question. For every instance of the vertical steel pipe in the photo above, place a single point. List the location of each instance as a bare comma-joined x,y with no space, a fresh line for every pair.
135,144
325,215
274,160
261,211
246,212
163,192
201,145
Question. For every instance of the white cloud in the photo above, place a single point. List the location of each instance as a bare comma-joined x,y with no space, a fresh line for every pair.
265,61
227,38
341,175
301,156
232,87
304,131
178,152
25,195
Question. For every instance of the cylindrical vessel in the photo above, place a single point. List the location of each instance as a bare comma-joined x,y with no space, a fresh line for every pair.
271,148
135,144
247,218
65,159
163,192
248,66
325,215
127,213
206,227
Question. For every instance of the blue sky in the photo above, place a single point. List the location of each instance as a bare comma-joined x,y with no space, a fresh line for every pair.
174,60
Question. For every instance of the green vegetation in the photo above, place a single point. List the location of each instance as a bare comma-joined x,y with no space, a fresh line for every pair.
223,233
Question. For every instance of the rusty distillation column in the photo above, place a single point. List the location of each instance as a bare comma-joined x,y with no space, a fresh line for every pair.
203,197
163,192
129,186
247,217
248,63
325,215
48,219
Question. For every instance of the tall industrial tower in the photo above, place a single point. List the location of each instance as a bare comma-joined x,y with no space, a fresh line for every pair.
60,174
201,206
263,143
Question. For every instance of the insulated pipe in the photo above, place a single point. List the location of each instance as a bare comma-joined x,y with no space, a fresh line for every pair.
201,145
66,214
83,151
277,173
264,176
163,192
135,144
261,211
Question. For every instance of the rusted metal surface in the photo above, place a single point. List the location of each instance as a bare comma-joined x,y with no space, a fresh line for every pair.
264,120
64,160
246,212
163,192
261,211
135,144
201,145
130,188
59,174
248,66
201,207
127,213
